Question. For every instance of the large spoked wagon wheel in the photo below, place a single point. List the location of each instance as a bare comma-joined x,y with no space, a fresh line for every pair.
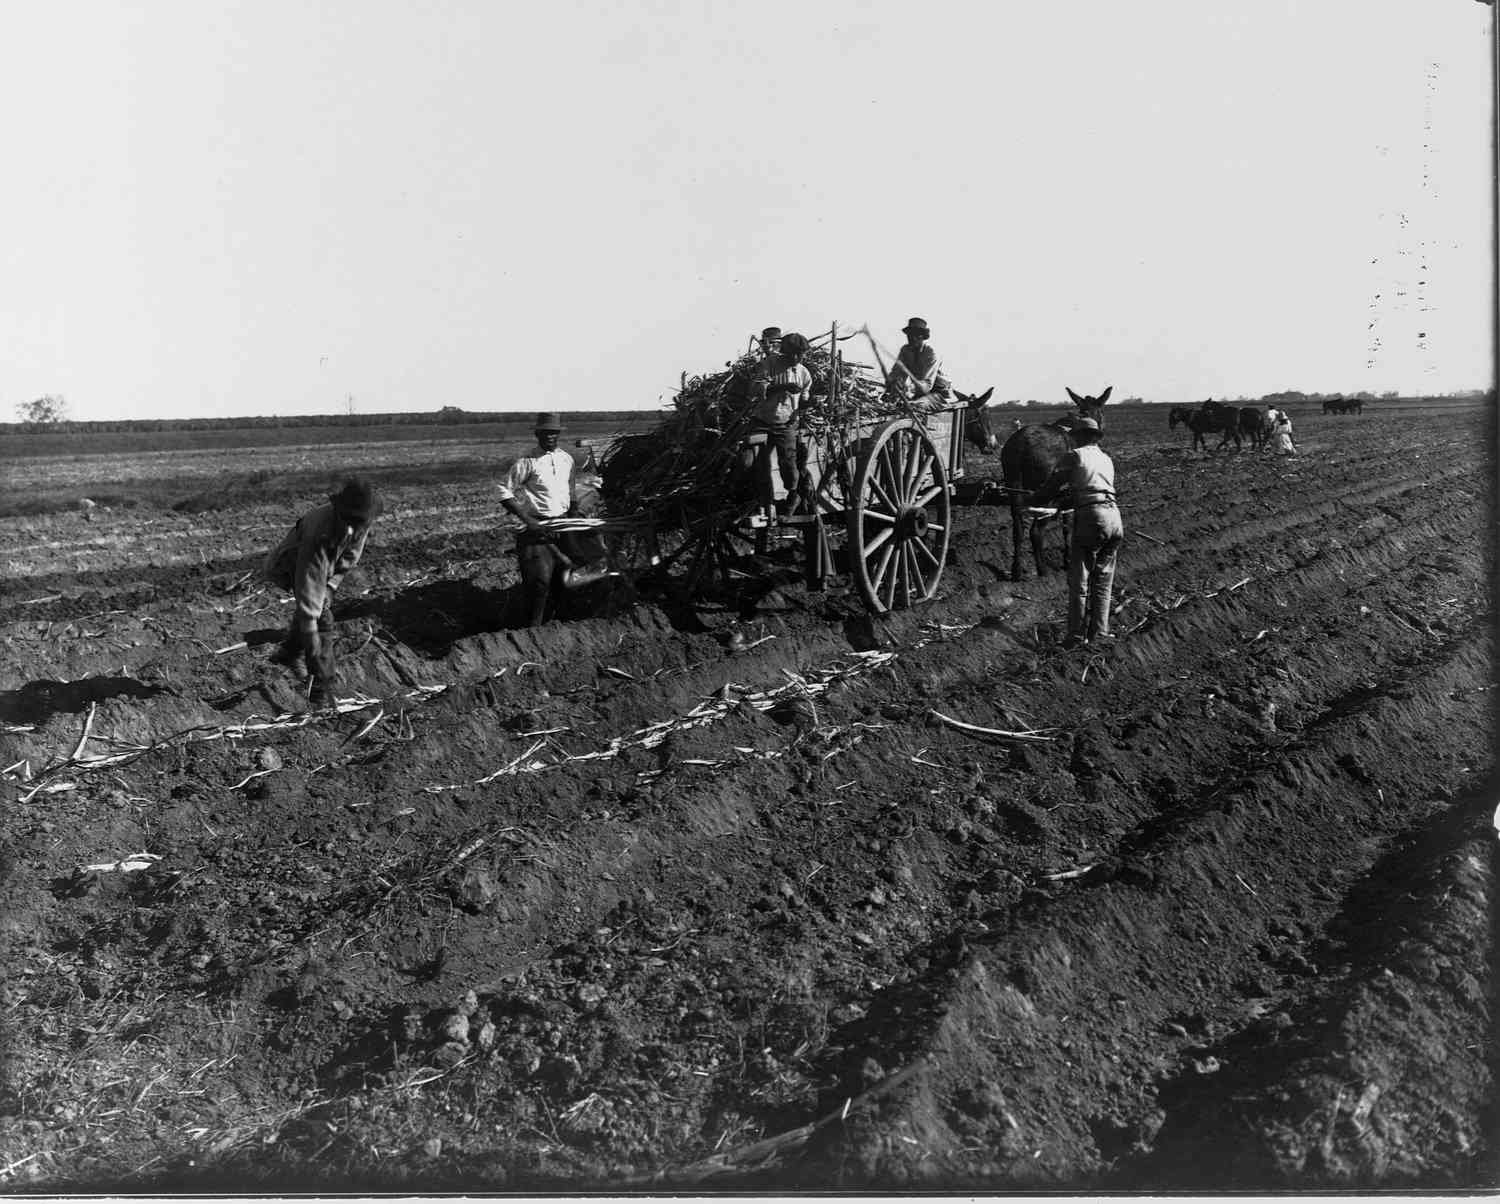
899,517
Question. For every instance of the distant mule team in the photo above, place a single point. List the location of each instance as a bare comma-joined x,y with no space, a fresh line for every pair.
1046,469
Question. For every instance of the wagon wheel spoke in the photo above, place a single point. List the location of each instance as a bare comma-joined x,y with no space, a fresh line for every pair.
913,472
888,592
909,575
879,541
920,547
878,577
929,496
881,495
888,469
879,516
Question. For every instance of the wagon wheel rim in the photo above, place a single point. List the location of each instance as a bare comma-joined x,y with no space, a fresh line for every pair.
900,521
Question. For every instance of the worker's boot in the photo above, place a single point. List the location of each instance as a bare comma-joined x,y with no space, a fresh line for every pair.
290,654
324,676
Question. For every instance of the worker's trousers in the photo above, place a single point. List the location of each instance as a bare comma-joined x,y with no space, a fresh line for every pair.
1097,535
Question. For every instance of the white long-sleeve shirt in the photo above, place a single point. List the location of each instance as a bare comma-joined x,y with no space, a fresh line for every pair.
540,482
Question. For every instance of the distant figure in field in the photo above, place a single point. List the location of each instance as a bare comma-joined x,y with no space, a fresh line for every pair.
323,545
1281,433
1087,476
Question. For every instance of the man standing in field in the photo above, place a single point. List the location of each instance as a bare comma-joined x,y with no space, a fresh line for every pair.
538,487
323,545
919,371
1087,475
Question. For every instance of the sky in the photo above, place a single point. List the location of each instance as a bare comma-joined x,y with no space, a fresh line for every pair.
215,208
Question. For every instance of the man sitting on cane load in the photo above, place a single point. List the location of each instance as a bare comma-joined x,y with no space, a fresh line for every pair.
919,372
323,545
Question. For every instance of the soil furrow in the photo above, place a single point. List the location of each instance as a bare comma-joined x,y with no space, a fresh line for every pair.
1041,990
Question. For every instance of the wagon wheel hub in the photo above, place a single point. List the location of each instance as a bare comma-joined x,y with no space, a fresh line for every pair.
911,523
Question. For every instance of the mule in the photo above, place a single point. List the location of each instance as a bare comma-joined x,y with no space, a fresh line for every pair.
977,428
1255,425
1027,459
1209,417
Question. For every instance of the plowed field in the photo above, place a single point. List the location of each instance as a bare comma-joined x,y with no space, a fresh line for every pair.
626,902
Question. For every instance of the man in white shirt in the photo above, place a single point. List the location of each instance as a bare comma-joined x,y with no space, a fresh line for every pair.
538,487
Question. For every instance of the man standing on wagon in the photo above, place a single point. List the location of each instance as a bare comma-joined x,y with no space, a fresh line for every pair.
1087,475
919,371
323,545
779,392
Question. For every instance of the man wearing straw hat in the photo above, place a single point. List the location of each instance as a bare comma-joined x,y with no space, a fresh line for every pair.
323,545
1087,475
538,487
919,372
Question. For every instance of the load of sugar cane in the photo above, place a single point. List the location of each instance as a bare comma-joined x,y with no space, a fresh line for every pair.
692,463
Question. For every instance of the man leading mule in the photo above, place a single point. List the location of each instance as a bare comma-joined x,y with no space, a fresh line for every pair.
1027,460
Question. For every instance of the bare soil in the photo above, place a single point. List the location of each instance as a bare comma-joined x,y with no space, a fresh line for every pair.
626,902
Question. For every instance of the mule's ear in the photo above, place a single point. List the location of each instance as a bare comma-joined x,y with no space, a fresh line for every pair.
984,398
1077,401
1103,397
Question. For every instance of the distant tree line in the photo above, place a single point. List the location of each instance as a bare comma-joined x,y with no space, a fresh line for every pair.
49,414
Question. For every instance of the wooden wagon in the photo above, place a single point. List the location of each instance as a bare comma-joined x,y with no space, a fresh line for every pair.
876,494
875,502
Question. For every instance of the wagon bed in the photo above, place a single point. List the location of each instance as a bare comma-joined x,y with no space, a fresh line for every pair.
879,489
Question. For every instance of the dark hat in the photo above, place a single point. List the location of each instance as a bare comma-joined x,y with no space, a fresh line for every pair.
793,342
771,332
1079,425
917,326
548,422
356,500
